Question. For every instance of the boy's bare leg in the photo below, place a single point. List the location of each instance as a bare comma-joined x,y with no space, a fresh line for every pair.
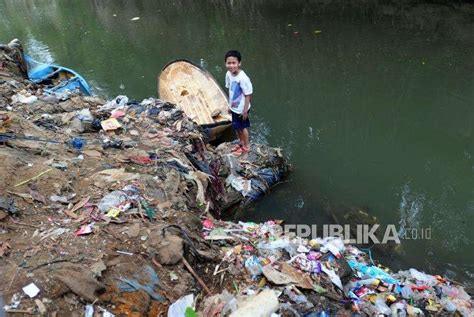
239,136
245,138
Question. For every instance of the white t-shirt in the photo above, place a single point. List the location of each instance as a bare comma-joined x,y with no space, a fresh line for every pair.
239,87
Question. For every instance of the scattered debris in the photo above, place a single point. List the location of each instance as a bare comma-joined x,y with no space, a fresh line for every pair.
141,177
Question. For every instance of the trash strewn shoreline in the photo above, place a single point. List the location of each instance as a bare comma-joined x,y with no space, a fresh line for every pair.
111,208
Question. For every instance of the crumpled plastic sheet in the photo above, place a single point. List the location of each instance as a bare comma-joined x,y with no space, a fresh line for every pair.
240,184
147,274
267,177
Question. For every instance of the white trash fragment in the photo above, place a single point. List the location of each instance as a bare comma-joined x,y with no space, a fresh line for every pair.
14,303
31,290
106,313
240,184
333,276
178,308
118,102
19,98
425,278
89,311
262,305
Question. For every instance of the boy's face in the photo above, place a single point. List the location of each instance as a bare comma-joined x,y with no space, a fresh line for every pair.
232,64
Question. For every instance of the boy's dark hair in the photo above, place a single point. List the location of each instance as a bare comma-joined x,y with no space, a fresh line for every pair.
233,53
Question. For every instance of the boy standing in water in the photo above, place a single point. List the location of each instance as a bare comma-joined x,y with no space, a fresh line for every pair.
240,91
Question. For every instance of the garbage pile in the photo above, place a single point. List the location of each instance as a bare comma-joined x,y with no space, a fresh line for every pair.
107,209
279,273
101,202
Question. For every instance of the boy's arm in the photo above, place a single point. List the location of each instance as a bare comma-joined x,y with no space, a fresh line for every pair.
245,113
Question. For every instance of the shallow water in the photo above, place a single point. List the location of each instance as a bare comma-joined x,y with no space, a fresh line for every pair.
372,103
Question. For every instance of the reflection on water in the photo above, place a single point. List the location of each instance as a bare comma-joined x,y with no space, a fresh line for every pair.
373,103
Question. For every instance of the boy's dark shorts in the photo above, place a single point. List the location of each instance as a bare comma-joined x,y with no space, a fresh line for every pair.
238,123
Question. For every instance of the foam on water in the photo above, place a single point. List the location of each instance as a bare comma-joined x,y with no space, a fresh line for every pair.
38,50
411,206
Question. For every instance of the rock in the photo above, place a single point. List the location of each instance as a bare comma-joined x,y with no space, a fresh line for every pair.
76,125
80,281
134,230
92,153
276,277
98,267
169,250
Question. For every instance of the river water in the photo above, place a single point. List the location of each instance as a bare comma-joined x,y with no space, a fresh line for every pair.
372,103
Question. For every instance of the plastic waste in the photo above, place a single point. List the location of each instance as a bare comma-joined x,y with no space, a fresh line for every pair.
381,307
372,271
31,290
368,281
425,278
267,177
253,266
414,311
108,143
117,102
150,212
407,292
112,199
333,276
455,292
398,309
86,118
448,305
110,124
78,143
89,311
230,303
178,308
240,184
272,245
19,98
333,245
